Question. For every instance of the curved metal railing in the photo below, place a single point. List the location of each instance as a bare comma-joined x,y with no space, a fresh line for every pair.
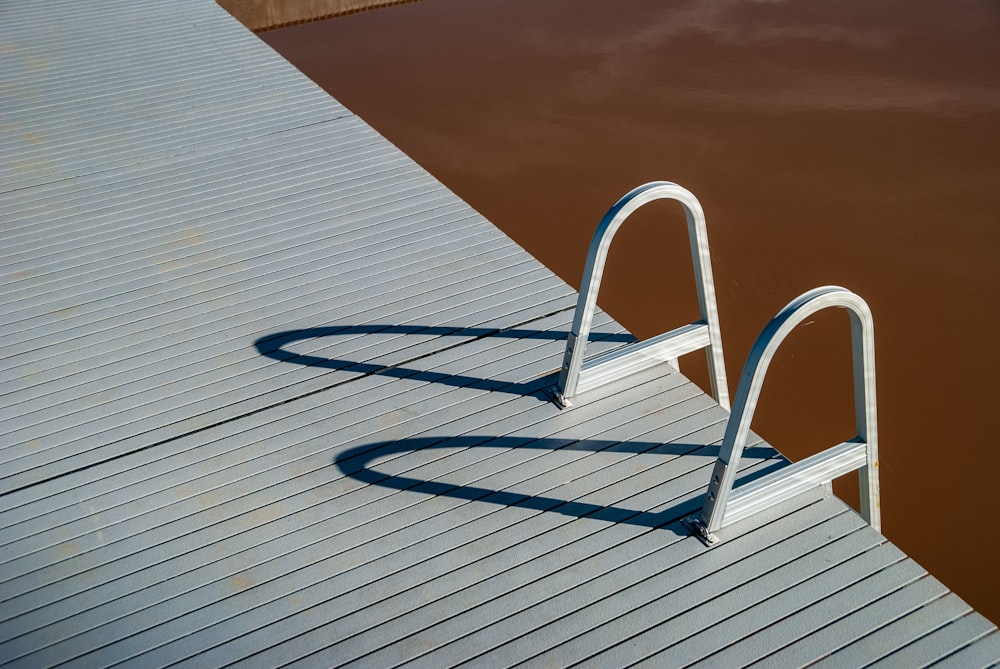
723,505
578,376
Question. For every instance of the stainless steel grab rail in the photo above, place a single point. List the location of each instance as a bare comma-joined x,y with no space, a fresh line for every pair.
725,506
578,376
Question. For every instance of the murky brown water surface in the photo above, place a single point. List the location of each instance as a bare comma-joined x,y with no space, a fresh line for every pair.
830,141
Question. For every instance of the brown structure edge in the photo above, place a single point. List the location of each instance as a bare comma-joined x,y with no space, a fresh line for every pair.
243,11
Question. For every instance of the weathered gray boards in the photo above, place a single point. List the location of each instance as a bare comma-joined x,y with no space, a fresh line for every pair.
273,395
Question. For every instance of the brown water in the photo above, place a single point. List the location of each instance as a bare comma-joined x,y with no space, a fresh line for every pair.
830,141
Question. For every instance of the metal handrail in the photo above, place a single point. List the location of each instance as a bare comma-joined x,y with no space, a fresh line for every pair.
725,506
578,376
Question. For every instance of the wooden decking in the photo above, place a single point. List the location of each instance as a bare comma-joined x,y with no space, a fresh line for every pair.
273,395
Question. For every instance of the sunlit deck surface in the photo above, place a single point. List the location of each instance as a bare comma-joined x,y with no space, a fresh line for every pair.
273,395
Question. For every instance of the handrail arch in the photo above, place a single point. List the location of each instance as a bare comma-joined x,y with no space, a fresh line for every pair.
723,505
577,376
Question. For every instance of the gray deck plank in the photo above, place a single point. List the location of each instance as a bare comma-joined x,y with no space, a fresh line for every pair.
884,570
43,496
364,404
208,300
717,608
413,247
805,644
103,632
94,319
600,624
150,203
96,374
585,600
496,264
435,578
137,514
89,193
414,254
272,394
74,80
112,435
179,248
983,652
415,630
116,220
105,207
946,625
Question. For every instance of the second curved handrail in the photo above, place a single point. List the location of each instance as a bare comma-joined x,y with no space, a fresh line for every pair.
723,505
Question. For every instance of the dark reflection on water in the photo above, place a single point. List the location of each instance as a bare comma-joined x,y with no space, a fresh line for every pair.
855,143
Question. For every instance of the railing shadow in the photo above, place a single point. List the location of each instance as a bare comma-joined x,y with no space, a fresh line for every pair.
275,346
355,463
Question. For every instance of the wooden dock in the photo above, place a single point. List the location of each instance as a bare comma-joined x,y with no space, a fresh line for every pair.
272,395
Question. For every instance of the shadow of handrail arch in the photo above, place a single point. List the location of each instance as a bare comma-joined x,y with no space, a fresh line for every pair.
355,463
276,346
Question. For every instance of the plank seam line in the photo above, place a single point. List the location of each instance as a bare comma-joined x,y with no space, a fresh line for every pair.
380,370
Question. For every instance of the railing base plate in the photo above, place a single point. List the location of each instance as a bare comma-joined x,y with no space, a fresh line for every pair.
699,530
558,398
